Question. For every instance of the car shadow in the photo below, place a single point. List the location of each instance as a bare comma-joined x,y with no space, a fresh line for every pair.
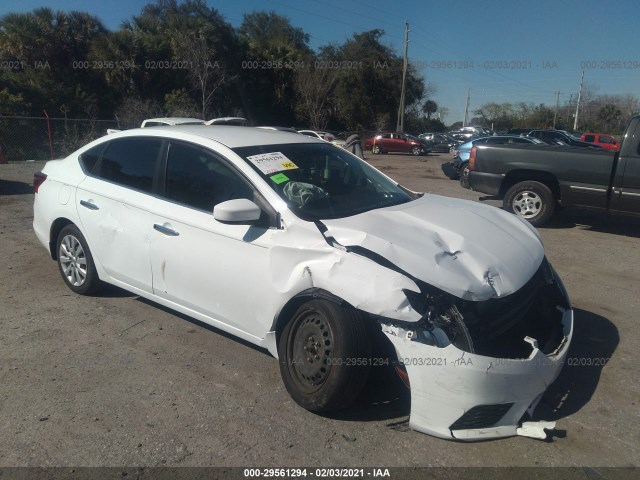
11,187
595,221
595,339
111,291
201,324
384,397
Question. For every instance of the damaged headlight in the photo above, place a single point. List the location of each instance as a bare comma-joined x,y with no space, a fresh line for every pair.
495,327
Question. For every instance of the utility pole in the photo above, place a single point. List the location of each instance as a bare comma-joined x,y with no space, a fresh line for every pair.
400,127
555,115
466,108
575,121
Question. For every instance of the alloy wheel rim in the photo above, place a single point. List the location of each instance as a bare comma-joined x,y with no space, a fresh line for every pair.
73,261
527,204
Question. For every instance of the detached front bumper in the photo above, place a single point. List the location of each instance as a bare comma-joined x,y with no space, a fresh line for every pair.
464,396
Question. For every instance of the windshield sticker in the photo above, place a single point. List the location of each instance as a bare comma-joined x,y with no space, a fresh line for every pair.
279,178
272,162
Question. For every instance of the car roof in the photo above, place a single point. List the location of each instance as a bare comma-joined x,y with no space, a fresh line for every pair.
228,135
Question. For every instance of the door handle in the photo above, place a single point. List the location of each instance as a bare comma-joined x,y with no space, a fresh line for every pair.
166,230
89,205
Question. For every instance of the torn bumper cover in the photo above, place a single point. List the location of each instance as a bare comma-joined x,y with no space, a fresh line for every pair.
462,392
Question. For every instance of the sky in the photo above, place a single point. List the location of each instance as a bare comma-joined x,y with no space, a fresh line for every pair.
498,51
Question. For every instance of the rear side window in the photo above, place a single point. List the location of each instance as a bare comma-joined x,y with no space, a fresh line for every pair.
590,138
89,159
131,162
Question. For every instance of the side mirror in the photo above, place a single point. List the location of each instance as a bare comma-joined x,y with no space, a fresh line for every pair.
239,210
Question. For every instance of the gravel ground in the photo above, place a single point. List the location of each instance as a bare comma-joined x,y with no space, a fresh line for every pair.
114,380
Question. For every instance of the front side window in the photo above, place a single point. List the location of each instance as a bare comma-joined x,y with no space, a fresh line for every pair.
197,178
319,181
131,162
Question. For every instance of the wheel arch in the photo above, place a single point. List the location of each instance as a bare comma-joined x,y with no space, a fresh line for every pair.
523,175
56,227
289,308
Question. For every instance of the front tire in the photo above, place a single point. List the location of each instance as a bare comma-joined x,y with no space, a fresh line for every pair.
324,353
376,149
416,150
75,261
531,200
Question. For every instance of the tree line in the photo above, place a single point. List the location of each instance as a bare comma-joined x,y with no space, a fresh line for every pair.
596,113
184,59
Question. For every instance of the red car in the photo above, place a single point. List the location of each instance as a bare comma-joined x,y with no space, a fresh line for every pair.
604,140
396,142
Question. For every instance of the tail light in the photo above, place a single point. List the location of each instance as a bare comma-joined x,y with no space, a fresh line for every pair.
402,373
38,179
472,158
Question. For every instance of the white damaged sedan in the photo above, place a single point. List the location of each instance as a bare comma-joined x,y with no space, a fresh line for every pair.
299,247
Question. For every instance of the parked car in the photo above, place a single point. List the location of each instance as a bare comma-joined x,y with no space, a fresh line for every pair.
237,121
532,182
158,122
397,142
440,142
321,135
309,252
336,139
552,136
459,167
604,140
518,131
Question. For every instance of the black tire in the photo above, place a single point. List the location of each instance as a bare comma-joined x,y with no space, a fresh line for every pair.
464,175
319,349
75,261
376,149
416,151
531,200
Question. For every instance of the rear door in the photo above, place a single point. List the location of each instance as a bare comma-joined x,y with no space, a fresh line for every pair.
113,203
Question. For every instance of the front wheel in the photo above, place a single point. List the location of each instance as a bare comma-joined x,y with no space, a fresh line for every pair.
376,149
416,150
531,200
324,354
75,261
464,176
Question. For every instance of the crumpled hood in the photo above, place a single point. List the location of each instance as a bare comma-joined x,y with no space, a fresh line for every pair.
470,250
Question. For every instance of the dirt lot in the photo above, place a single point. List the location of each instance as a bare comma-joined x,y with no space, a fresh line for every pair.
115,380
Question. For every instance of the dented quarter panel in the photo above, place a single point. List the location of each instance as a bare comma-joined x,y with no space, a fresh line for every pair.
359,281
470,250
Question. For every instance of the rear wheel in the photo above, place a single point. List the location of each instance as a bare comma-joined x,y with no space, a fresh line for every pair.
324,355
75,261
464,176
416,150
531,200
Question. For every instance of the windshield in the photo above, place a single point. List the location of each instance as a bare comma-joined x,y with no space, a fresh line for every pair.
320,181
